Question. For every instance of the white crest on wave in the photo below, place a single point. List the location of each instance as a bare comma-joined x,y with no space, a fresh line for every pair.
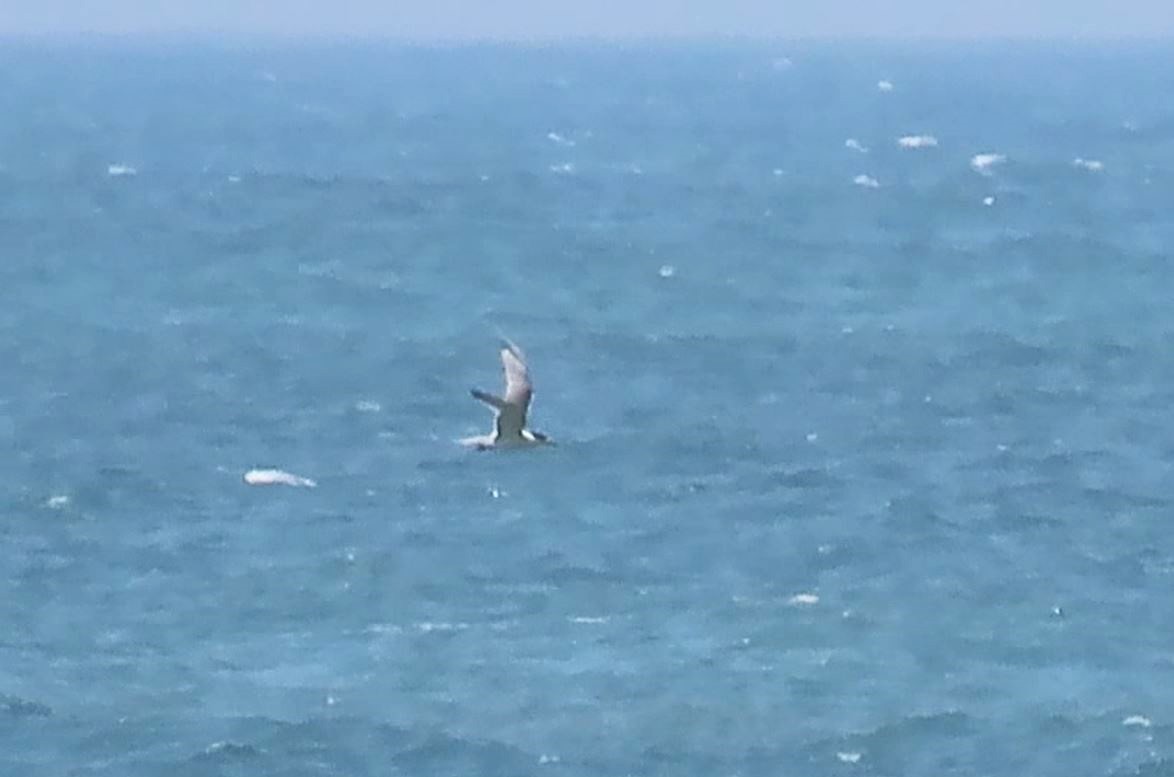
982,163
917,141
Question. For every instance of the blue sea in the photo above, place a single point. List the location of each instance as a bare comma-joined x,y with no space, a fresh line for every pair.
858,358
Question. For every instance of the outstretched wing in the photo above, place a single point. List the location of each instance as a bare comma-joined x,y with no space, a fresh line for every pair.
517,378
495,402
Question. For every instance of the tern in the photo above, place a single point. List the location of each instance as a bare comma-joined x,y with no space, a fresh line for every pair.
509,426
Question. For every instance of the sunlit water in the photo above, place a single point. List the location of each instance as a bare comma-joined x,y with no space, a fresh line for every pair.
865,447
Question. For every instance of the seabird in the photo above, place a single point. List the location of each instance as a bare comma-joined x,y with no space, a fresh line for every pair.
509,427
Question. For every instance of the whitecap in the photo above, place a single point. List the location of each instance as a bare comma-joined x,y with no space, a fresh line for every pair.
368,406
1137,720
667,271
917,141
587,619
429,626
804,599
849,758
566,168
277,477
855,145
982,163
867,181
988,201
884,85
1088,164
57,502
121,170
557,138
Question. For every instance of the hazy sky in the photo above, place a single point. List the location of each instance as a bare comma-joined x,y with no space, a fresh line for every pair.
545,19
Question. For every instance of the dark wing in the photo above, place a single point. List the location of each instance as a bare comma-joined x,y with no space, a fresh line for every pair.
495,402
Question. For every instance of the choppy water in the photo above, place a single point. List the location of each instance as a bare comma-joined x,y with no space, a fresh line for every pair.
865,454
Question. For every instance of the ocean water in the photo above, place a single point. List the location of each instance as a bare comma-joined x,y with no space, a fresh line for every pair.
865,449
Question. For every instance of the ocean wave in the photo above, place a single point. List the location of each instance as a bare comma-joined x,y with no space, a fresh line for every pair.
917,141
1093,165
119,170
277,477
982,163
17,707
867,181
855,145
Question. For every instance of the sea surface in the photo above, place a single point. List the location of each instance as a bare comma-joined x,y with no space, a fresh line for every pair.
859,359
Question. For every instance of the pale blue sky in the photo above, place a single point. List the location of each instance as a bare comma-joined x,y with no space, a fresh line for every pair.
545,19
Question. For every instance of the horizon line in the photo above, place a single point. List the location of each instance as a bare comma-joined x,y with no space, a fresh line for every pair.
212,36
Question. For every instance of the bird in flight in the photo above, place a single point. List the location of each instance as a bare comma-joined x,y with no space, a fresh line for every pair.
509,427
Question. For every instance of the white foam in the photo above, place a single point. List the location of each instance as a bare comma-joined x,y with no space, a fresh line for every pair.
855,145
849,758
803,600
57,502
566,168
120,170
548,759
368,406
277,477
1088,164
557,138
777,172
917,141
587,619
884,85
988,201
234,179
1137,720
667,271
429,626
982,163
867,181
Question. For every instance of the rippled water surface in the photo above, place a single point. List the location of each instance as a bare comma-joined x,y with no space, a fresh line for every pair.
862,399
